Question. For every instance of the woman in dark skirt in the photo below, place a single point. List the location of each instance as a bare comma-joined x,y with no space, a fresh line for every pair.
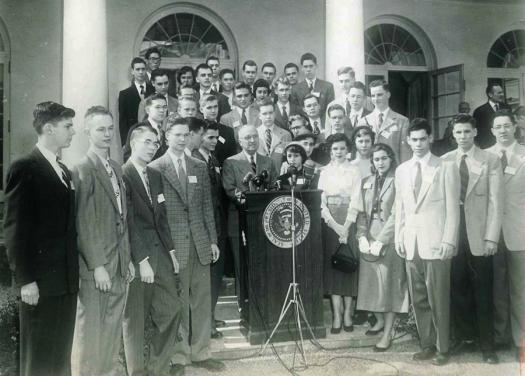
339,181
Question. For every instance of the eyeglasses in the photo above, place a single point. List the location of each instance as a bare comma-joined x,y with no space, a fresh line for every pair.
506,126
150,143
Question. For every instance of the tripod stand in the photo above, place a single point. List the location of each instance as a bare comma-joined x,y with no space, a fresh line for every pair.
293,297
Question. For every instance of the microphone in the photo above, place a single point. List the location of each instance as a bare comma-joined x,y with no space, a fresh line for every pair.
248,178
309,170
292,171
258,180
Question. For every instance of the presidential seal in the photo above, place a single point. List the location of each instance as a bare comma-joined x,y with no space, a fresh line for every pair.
277,221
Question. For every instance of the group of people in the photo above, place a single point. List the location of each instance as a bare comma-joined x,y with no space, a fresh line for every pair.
98,250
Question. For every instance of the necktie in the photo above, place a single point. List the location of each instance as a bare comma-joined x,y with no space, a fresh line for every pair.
463,174
311,86
504,160
316,128
417,180
66,178
253,165
244,120
285,115
114,183
182,177
142,92
268,140
347,107
146,183
354,120
496,106
380,120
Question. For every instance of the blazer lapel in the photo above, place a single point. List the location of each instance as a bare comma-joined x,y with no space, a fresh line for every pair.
276,138
172,177
386,184
137,181
428,179
103,177
473,176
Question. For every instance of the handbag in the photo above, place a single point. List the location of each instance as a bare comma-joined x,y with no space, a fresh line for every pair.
345,259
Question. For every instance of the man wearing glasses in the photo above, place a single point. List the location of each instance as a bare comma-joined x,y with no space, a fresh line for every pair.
153,60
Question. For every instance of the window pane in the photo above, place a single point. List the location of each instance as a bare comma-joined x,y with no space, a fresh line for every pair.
512,91
441,84
452,81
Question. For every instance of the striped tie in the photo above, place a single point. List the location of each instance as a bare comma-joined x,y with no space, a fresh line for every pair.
268,141
463,174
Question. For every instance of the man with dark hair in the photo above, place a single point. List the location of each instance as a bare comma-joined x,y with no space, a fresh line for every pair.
323,90
40,238
154,292
283,107
298,124
291,72
312,109
485,113
481,211
204,77
215,65
129,99
448,142
509,262
103,242
389,126
186,76
227,79
249,73
243,112
426,229
269,71
161,83
338,122
153,59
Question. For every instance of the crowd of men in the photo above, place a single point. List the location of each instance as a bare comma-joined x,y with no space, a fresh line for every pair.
98,250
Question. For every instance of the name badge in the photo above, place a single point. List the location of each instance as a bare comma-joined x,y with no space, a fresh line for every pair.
316,94
218,170
394,128
510,170
367,185
72,185
192,179
236,124
222,140
160,198
386,134
300,181
278,150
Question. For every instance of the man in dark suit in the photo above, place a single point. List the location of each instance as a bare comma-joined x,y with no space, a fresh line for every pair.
226,146
323,90
312,109
103,243
353,99
291,72
485,113
283,107
214,63
40,237
129,99
190,217
249,73
155,293
234,172
204,76
161,83
153,59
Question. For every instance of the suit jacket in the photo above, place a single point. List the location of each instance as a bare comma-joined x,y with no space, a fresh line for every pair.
279,120
483,115
190,216
39,226
173,105
393,132
234,170
324,91
365,203
348,126
103,238
434,218
126,149
513,198
226,145
280,138
149,232
233,119
128,105
224,104
484,199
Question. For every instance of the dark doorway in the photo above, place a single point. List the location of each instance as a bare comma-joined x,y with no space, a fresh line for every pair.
410,93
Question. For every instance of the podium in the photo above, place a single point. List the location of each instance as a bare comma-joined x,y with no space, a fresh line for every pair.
268,262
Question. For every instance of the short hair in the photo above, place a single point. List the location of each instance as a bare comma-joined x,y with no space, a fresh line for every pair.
226,71
137,60
269,64
361,131
418,124
159,73
196,124
261,82
153,97
50,112
183,70
242,85
97,110
308,56
359,85
304,136
504,112
208,98
177,121
345,70
491,86
463,119
152,50
140,129
301,117
186,99
202,66
334,107
250,63
389,152
280,80
266,102
294,147
291,65
212,57
211,126
338,137
310,96
381,83
180,87
519,111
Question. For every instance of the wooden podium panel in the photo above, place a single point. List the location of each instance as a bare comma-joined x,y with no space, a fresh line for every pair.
269,269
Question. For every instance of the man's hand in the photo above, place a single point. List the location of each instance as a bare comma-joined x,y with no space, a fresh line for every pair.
29,293
175,262
131,273
400,249
102,280
490,248
375,248
447,251
146,273
364,246
215,252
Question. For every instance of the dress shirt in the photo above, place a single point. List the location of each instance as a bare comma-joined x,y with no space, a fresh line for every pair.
229,96
470,157
319,124
247,109
175,160
424,163
311,83
137,85
286,106
112,178
52,159
248,156
493,105
509,150
205,154
156,126
376,116
359,114
140,170
202,93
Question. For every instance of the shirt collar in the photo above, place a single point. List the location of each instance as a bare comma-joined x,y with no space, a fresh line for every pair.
492,103
508,150
385,113
48,154
139,169
470,154
248,156
358,113
103,159
205,154
311,81
239,110
137,85
175,159
424,160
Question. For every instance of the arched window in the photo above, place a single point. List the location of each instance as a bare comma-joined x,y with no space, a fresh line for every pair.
508,51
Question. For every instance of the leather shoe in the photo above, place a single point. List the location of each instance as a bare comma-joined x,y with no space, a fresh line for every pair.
371,332
335,330
425,354
441,359
220,323
215,334
460,347
490,357
349,328
177,370
210,365
382,349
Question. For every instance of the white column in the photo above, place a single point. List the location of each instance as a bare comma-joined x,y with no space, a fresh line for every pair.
84,77
345,44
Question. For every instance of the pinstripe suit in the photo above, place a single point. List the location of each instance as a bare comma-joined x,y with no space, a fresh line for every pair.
192,227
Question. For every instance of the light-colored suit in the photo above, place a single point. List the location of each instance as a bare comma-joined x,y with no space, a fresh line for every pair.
103,241
280,138
233,119
173,105
509,262
392,132
422,225
192,228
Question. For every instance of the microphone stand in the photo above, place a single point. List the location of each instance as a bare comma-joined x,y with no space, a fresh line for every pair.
293,296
